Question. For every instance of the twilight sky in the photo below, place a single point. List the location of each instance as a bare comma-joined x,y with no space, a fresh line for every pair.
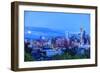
70,22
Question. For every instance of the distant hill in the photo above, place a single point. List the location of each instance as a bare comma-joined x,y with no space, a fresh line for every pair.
36,32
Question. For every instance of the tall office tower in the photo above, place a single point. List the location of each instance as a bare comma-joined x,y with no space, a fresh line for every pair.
81,35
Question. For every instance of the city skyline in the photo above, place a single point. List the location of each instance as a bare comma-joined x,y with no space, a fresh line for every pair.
56,36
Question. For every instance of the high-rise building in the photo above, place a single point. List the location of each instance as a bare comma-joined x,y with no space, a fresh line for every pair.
81,35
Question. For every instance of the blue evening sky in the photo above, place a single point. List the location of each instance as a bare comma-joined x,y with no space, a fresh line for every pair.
70,22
